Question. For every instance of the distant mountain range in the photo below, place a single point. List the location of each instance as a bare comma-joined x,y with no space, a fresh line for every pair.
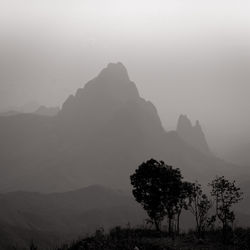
42,110
101,134
47,111
10,113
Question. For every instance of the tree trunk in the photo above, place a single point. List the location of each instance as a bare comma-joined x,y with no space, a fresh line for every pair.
178,223
170,226
157,226
224,232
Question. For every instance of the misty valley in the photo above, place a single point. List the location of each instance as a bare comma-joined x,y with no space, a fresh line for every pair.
101,172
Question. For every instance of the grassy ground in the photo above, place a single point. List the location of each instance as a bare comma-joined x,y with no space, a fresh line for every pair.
142,239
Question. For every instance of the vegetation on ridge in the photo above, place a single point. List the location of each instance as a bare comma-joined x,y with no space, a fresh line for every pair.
163,194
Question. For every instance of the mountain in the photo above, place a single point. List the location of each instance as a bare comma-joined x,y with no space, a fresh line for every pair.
47,111
193,135
110,105
101,134
10,113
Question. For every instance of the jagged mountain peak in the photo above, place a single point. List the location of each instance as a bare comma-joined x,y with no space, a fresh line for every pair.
111,102
114,75
183,123
115,70
192,134
112,85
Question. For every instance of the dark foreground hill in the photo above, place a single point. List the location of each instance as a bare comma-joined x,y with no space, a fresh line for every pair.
52,219
144,239
101,134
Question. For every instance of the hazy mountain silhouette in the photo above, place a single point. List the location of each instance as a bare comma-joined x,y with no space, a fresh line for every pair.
110,105
10,113
101,134
47,111
193,135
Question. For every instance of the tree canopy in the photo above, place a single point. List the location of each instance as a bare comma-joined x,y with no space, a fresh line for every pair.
157,187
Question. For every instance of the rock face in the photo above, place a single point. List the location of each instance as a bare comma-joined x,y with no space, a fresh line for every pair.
103,99
193,135
110,105
112,84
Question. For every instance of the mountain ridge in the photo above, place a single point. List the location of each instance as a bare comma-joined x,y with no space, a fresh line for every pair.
97,138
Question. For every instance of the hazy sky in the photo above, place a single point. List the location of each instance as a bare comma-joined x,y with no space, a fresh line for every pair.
186,56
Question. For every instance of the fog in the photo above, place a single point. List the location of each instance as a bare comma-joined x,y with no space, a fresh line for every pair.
188,57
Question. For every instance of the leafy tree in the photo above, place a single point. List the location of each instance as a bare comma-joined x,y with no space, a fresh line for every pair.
183,201
226,194
199,205
157,186
148,191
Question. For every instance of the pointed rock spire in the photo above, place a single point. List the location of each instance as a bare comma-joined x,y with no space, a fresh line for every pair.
193,135
184,125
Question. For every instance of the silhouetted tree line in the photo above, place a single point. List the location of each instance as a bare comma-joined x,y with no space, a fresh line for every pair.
161,191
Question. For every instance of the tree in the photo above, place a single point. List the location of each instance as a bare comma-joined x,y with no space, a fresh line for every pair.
156,186
199,205
226,194
185,192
